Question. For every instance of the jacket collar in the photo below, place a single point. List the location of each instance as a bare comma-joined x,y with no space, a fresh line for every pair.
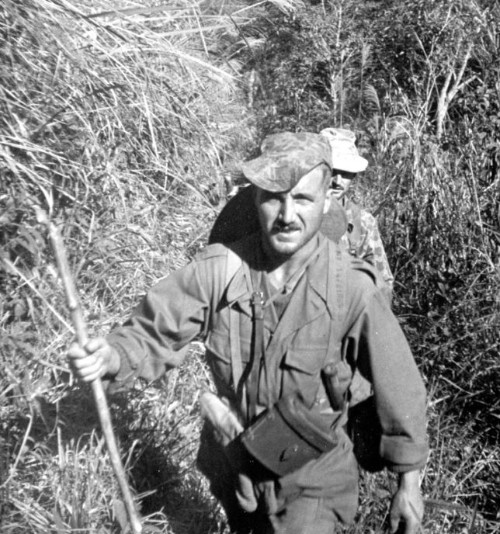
310,297
239,289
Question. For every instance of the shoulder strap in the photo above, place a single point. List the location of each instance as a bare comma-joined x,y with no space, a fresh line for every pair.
337,291
337,280
233,263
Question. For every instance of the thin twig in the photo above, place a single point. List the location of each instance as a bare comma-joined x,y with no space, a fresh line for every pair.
78,321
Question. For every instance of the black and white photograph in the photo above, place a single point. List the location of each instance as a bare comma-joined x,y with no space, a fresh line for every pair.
249,267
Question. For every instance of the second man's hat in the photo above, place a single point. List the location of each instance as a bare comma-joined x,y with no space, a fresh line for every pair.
345,155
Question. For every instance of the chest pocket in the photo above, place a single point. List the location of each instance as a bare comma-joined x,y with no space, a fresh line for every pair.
219,350
302,371
228,342
317,344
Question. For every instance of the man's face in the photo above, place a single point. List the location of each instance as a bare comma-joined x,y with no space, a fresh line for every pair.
342,181
290,219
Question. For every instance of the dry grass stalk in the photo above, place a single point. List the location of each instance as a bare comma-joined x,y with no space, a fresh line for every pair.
78,321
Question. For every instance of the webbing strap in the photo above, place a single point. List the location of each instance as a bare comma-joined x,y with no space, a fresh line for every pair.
257,351
233,263
338,279
339,270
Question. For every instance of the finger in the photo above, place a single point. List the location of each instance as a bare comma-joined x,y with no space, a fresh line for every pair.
87,378
95,344
85,365
89,368
76,351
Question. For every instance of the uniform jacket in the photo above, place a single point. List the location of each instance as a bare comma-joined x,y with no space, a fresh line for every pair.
362,240
199,302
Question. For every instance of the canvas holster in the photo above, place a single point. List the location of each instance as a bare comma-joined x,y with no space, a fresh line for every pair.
282,439
287,436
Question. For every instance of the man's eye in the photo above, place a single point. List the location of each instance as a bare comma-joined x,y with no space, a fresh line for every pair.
303,199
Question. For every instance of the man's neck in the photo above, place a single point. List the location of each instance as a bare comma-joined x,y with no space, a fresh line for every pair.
281,269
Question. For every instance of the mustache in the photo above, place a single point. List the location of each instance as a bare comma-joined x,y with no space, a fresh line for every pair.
281,227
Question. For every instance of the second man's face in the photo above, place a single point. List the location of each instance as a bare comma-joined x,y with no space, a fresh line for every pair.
290,219
342,181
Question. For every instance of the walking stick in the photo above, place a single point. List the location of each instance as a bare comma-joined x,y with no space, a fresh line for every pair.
97,387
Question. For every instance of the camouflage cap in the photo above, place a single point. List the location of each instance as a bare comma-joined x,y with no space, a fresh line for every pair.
345,155
286,157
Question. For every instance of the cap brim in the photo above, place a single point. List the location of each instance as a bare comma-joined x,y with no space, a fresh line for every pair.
268,174
350,164
357,164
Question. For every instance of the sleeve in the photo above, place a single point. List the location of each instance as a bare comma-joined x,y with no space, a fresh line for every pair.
173,313
377,346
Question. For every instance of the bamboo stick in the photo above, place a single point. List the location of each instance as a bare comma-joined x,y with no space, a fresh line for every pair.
78,321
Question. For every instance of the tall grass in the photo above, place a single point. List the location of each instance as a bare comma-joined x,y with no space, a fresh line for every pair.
447,301
121,119
118,120
433,182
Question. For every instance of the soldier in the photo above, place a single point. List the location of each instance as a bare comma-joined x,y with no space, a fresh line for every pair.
362,238
286,317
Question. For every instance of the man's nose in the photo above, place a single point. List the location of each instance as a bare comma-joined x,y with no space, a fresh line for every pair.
337,179
287,213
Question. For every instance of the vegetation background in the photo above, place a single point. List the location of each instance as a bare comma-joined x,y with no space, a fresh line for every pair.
124,120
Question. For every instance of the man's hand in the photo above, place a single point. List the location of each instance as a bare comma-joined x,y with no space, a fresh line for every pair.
407,507
97,359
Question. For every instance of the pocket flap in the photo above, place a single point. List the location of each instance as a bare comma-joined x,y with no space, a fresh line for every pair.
219,345
308,360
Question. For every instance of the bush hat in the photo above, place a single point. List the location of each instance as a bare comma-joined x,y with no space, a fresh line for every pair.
345,155
285,158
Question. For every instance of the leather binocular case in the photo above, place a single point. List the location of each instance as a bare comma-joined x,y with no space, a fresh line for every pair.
287,436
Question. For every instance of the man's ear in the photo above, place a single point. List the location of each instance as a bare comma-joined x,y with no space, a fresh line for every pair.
328,200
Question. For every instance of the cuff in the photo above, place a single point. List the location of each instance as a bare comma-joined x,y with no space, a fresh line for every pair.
402,454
